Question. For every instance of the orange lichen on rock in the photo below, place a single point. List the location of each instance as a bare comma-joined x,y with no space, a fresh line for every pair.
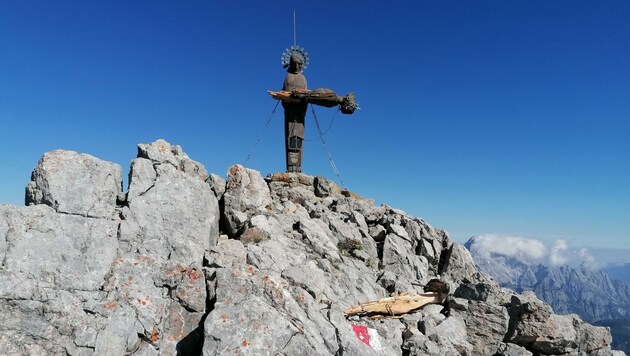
155,335
194,274
111,305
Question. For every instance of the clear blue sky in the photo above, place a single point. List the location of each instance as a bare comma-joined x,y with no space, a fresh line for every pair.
502,117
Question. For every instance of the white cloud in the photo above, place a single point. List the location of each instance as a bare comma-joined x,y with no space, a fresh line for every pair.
517,247
533,251
587,259
558,253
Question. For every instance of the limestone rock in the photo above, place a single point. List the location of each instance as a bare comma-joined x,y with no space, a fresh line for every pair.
217,184
74,183
528,316
189,264
162,152
512,350
176,219
246,194
53,264
68,252
487,323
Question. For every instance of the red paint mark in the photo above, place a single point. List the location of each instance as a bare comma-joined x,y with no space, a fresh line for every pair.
245,343
362,333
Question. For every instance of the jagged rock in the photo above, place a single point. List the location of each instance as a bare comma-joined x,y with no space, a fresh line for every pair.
162,152
378,233
246,195
562,334
77,184
479,291
172,213
485,321
217,184
460,267
506,349
324,187
155,275
592,338
528,316
141,177
400,259
451,334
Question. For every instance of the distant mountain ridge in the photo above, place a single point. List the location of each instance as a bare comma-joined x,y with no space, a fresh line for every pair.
592,294
619,271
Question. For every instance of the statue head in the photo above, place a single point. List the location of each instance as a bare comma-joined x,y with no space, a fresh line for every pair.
295,63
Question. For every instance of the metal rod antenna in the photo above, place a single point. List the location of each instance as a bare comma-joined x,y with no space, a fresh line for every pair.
294,36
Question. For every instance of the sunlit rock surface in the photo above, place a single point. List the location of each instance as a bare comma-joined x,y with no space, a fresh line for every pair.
187,263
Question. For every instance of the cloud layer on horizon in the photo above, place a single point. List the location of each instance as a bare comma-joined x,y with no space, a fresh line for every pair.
532,251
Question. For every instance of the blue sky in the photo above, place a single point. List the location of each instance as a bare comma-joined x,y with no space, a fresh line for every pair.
482,117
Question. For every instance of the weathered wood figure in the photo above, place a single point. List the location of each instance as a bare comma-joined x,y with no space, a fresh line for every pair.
294,113
295,98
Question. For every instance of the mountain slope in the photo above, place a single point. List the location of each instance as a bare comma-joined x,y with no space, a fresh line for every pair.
185,264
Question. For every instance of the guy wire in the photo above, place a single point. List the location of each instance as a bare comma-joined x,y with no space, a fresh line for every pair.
262,132
332,162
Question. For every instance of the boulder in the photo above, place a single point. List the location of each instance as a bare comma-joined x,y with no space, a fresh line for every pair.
77,184
176,218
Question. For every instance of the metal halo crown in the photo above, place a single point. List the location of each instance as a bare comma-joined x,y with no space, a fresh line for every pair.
286,56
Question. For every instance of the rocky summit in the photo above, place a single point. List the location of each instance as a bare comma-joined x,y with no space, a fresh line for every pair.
186,263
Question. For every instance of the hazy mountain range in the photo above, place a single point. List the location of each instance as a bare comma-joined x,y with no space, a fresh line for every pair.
525,264
600,296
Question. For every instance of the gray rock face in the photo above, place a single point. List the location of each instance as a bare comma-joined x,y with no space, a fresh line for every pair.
175,218
86,271
165,270
246,194
77,184
57,249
